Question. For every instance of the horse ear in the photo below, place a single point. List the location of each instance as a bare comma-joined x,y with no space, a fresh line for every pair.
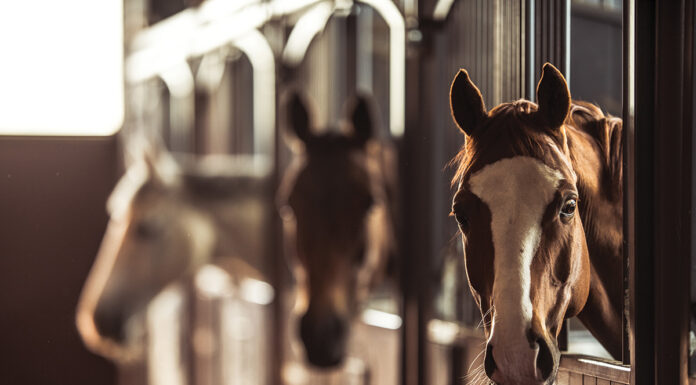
466,103
361,118
553,96
162,168
297,115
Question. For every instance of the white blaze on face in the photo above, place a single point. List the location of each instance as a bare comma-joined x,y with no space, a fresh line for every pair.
517,191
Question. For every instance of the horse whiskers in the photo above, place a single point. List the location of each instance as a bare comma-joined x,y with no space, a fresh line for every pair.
474,361
480,376
471,374
483,321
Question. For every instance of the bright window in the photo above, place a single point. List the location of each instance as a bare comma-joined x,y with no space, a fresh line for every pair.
61,67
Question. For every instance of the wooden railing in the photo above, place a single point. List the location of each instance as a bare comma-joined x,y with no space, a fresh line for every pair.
453,348
583,370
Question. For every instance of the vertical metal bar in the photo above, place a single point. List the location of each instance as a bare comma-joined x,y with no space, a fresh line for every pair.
477,38
521,53
547,35
641,268
412,246
351,40
663,118
275,252
530,49
672,184
566,40
540,34
688,190
418,149
628,172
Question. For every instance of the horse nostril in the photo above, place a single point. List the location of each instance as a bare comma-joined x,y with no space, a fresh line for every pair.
109,324
544,362
338,327
324,339
489,362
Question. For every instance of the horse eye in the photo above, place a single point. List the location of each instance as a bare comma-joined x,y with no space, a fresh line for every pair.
369,202
568,209
360,255
463,221
146,230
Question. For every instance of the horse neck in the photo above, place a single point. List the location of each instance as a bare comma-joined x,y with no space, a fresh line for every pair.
601,213
383,162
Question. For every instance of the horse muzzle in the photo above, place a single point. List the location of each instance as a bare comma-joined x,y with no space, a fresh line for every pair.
110,333
324,339
535,363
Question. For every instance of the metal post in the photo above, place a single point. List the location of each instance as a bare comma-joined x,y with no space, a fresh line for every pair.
661,165
530,49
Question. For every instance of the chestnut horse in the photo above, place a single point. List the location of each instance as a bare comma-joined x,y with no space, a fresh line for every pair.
335,203
166,222
539,206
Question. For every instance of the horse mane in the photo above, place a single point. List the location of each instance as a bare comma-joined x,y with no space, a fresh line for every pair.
503,121
515,121
606,131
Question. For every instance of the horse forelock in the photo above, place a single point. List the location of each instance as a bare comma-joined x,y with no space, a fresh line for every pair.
510,130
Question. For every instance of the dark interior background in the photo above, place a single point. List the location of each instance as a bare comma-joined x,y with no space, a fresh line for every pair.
52,218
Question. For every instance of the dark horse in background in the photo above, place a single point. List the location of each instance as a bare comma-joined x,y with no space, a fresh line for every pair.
539,205
336,202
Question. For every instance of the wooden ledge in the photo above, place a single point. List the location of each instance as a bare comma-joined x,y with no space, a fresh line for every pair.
595,367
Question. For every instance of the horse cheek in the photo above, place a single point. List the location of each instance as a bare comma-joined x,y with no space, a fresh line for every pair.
580,289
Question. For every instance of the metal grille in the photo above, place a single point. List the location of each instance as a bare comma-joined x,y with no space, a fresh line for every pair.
488,39
552,29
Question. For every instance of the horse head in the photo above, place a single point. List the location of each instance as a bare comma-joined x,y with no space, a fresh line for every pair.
155,236
334,204
517,206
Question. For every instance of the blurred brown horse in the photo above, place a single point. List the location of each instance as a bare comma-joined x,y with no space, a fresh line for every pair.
336,203
166,222
539,205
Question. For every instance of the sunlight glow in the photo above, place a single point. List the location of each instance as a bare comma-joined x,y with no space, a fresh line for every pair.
213,281
443,332
605,364
62,67
381,319
164,326
255,291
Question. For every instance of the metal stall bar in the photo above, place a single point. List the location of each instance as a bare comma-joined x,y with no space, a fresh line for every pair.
659,161
179,81
628,114
397,62
530,48
418,195
155,43
551,22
